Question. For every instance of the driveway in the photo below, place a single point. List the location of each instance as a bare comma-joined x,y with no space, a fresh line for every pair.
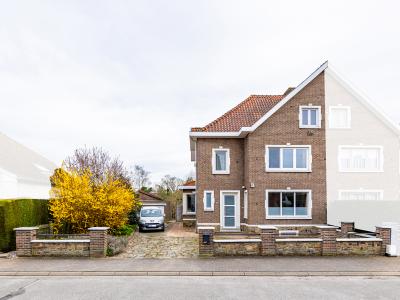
175,242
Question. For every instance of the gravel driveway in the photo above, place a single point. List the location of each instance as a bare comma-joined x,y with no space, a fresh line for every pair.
175,242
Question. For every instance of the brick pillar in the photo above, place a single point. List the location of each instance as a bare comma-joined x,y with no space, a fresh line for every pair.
206,241
98,241
24,236
268,237
346,227
384,233
328,236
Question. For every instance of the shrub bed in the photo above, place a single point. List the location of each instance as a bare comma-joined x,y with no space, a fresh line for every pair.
118,240
18,213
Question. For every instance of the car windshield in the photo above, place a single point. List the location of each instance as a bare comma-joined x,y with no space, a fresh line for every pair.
150,212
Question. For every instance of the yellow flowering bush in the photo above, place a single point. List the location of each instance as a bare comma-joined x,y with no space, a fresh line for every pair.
79,202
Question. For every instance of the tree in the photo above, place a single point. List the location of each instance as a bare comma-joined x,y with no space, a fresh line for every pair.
91,189
169,184
99,163
140,177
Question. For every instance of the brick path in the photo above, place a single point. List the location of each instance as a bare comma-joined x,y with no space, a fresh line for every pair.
175,242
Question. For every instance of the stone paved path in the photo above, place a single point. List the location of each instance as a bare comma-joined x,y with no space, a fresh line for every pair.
175,242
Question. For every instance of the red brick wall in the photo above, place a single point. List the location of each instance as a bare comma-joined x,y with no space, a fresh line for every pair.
205,180
282,128
248,162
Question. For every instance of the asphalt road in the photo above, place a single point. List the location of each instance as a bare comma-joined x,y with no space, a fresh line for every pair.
192,287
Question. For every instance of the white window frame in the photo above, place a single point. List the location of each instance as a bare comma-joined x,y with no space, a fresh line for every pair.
205,200
347,108
344,170
309,205
294,169
228,161
184,204
319,116
341,192
237,210
245,204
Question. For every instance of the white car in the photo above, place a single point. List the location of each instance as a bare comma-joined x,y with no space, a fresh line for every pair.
151,218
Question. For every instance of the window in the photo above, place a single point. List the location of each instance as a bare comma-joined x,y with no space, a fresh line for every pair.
288,158
360,159
220,161
288,204
361,195
339,117
208,200
189,204
310,117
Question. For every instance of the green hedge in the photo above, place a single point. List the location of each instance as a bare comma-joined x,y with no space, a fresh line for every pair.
20,212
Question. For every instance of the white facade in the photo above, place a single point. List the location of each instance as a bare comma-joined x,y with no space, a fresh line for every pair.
23,173
363,162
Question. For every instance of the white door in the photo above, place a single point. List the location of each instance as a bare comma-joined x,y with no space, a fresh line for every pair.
230,213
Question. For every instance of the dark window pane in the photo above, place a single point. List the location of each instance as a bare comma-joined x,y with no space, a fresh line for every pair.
304,116
229,200
301,204
229,211
191,203
220,160
287,204
208,200
229,221
313,118
274,157
274,204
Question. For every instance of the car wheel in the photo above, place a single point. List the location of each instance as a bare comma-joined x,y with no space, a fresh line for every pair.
163,228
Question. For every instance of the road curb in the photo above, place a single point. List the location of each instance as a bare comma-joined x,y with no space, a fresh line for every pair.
202,273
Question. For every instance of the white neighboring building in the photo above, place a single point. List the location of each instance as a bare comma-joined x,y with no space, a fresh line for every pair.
23,172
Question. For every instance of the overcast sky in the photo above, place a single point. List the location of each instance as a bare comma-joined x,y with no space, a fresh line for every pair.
134,76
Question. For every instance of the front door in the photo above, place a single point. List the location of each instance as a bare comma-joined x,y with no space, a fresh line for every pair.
230,215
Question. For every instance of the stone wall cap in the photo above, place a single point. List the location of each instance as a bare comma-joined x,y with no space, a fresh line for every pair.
98,228
267,227
359,240
299,240
206,227
26,228
327,227
60,241
238,241
384,226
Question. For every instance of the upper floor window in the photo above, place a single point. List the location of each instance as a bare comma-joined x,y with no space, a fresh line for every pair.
361,195
310,117
360,159
220,161
288,158
208,200
339,117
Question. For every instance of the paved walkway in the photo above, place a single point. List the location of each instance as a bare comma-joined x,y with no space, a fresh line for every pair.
175,242
267,266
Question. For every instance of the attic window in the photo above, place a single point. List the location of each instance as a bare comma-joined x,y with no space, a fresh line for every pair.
310,117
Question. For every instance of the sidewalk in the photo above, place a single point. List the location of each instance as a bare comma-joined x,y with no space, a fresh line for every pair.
255,266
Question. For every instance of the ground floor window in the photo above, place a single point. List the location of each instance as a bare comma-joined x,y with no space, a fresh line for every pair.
288,204
189,203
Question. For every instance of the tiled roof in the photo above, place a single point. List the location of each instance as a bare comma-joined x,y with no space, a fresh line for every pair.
245,114
190,183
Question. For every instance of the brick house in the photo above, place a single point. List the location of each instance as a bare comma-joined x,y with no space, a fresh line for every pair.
265,160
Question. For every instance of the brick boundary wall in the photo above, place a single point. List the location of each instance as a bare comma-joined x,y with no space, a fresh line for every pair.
206,249
384,233
268,239
28,245
327,241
